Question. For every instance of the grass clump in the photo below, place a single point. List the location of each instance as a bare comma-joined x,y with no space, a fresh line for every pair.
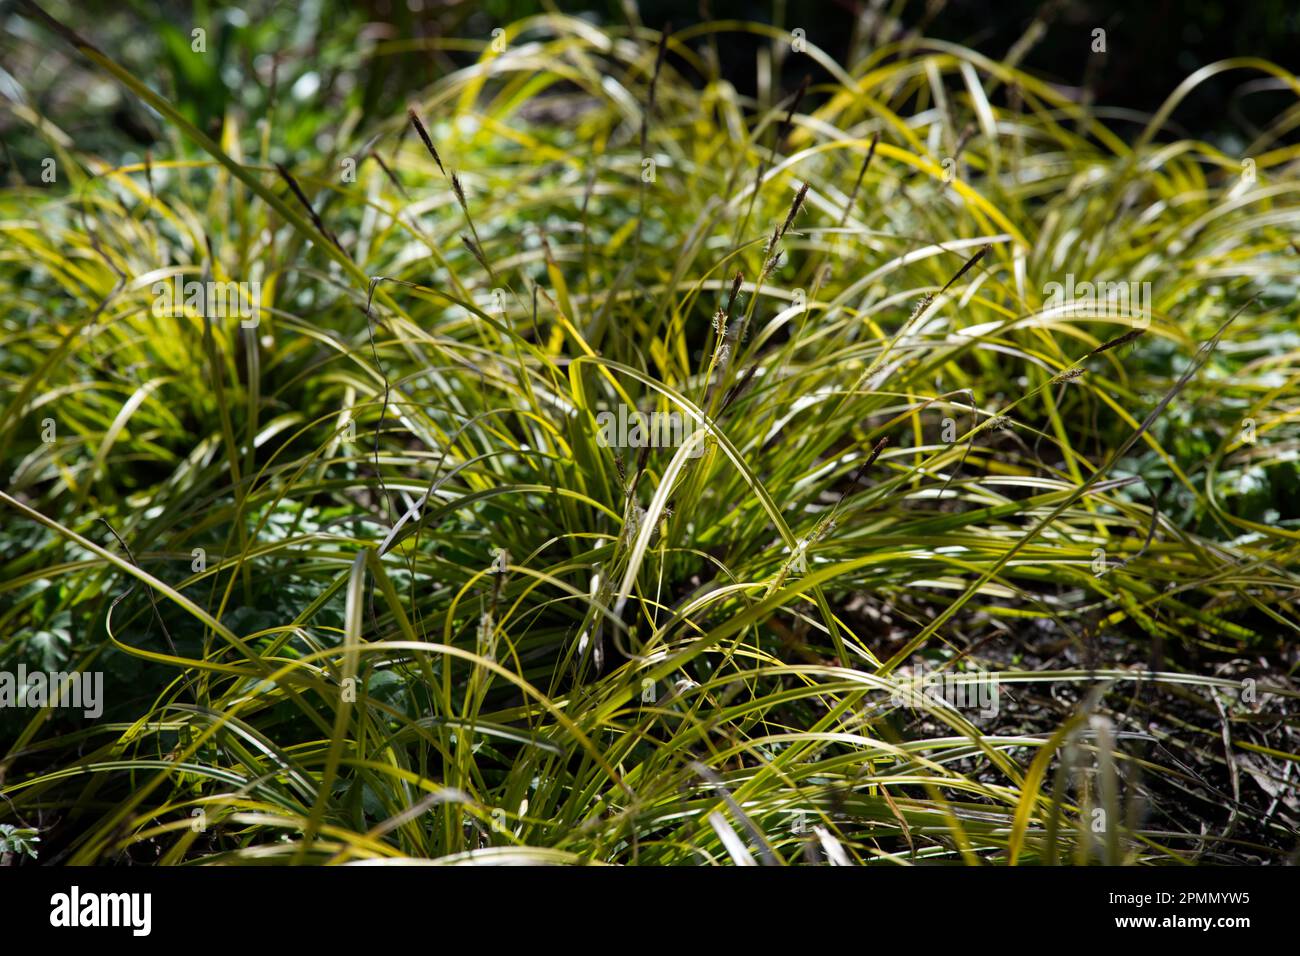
365,583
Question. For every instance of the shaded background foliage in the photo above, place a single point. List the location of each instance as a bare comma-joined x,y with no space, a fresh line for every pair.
1148,46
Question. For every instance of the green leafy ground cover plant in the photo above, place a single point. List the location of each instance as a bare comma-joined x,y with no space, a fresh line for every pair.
366,584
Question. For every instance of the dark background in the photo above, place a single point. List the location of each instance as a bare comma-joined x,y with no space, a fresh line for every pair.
1151,48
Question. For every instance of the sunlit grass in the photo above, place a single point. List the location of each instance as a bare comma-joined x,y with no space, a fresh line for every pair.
387,596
